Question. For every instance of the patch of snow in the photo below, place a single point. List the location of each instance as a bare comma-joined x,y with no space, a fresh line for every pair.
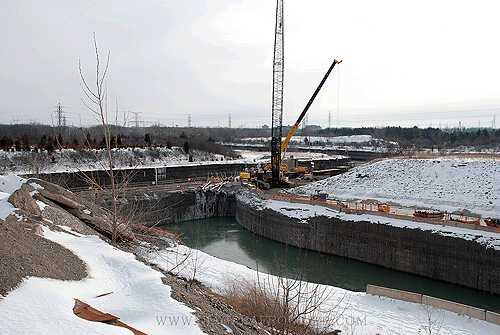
6,207
41,204
139,299
10,182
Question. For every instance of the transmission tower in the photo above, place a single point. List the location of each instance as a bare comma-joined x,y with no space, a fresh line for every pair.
189,120
229,122
60,116
329,119
277,115
136,118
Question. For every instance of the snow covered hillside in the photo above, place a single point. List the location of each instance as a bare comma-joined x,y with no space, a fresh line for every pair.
353,142
20,162
445,183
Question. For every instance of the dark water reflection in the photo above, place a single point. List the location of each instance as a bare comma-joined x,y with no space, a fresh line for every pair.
224,238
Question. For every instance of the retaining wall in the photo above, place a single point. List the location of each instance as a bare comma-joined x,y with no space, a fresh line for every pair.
157,208
75,179
446,258
450,259
451,306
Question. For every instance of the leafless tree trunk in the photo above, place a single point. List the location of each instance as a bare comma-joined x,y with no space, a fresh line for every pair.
97,103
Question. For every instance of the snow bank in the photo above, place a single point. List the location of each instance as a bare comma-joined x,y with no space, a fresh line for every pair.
357,313
8,184
447,184
45,306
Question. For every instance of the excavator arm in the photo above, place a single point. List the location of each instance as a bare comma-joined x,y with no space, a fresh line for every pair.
284,144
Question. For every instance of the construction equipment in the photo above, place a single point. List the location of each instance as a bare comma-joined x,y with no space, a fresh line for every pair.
384,208
284,145
278,148
277,114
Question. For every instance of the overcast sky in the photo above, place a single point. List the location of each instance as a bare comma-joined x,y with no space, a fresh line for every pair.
426,63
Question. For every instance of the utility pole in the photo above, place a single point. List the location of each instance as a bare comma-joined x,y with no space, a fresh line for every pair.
338,96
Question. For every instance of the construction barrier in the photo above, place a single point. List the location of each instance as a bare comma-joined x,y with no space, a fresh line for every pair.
364,209
451,306
460,309
394,294
493,317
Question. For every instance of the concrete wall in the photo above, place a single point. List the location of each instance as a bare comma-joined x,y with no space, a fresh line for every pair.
74,180
159,208
415,251
455,307
394,294
451,306
446,258
493,317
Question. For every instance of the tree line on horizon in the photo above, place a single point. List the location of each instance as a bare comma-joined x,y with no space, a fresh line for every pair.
23,137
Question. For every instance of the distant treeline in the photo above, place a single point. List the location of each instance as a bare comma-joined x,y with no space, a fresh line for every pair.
426,137
24,136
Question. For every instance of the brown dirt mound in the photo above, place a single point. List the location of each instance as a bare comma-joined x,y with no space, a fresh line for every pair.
23,253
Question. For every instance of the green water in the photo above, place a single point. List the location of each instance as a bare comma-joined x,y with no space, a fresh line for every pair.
224,238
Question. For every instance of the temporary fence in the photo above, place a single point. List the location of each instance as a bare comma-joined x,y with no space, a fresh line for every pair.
365,207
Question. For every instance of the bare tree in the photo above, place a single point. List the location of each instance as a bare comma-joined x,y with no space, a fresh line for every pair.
97,104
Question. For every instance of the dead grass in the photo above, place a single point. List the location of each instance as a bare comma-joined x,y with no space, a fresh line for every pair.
252,300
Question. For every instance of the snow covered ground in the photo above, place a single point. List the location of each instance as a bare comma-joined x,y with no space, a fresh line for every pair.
44,306
357,312
21,162
349,143
248,156
448,183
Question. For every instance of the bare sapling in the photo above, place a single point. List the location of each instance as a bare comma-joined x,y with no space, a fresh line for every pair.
97,104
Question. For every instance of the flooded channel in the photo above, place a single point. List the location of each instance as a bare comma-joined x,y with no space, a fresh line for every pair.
224,238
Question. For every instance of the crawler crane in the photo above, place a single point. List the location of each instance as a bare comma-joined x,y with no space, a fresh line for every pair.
277,147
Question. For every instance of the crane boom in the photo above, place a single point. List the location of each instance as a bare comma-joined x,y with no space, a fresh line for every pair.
277,113
284,145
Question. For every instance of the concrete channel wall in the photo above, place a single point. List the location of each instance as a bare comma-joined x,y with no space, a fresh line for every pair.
159,207
420,252
446,258
75,179
451,306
